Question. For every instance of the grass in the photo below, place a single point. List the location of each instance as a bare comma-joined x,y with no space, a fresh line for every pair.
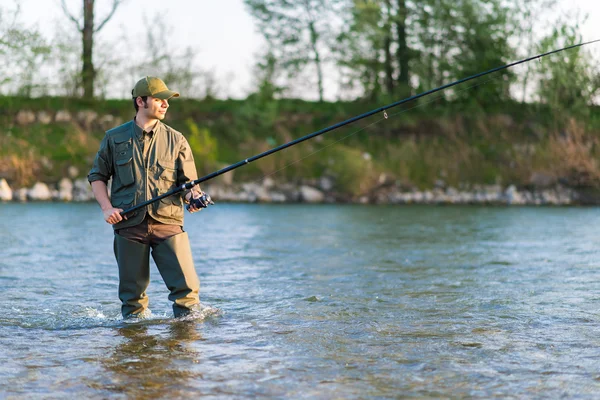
461,146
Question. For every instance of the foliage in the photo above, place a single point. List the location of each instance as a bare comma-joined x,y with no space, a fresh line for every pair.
297,33
394,47
353,170
569,81
23,51
204,147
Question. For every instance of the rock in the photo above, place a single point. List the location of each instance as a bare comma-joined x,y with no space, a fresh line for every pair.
542,180
512,196
428,197
86,118
268,183
326,183
65,190
417,197
82,190
450,191
73,172
63,116
39,192
290,191
277,197
256,193
219,193
311,195
244,197
44,117
25,117
20,195
6,193
107,121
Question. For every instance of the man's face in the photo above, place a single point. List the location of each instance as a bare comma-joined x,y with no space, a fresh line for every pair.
154,108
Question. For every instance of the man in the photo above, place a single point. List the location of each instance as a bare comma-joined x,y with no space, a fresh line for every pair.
146,158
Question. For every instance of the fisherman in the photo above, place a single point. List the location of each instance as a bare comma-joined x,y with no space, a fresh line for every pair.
146,158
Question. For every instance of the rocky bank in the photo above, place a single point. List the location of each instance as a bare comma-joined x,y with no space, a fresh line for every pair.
268,191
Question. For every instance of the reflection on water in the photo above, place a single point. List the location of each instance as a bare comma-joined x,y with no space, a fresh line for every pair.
317,302
155,364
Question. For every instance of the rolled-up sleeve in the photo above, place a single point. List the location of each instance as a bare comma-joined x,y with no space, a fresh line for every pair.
186,166
102,169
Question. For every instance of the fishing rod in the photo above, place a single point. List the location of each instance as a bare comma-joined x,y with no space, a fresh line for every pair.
189,185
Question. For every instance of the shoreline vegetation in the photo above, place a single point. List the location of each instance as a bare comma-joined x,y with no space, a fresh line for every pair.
450,153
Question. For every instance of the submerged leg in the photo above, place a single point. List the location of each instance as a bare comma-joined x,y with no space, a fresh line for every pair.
134,275
173,258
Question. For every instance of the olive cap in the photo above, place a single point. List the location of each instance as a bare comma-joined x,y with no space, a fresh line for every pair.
152,86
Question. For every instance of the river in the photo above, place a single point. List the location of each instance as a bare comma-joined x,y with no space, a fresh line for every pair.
310,301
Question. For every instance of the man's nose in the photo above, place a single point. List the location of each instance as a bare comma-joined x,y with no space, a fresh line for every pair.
165,103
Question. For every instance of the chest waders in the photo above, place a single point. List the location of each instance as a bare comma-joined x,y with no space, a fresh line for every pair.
173,257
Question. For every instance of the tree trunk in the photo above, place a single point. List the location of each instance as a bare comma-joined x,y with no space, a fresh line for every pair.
314,37
87,72
387,43
403,52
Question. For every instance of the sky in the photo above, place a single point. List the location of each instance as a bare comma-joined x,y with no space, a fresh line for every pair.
221,31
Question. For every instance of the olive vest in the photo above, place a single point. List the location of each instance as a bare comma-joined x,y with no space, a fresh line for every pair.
139,174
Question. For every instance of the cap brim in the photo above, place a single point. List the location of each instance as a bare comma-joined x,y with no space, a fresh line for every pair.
166,95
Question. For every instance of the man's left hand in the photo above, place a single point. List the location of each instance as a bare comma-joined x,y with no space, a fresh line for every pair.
198,201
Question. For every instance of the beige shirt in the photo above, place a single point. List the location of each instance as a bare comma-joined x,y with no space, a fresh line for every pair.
143,166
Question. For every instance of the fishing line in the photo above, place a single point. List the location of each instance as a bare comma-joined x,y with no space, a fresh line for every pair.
386,116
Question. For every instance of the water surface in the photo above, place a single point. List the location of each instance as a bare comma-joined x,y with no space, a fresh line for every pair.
314,302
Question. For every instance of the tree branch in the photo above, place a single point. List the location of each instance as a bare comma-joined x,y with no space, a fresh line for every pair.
70,16
116,4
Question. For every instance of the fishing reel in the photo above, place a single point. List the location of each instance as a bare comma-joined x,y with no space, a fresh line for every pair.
200,202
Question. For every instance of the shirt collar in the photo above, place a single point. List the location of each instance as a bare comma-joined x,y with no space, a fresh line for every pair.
139,132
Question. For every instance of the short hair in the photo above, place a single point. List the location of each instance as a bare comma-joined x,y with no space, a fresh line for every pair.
135,105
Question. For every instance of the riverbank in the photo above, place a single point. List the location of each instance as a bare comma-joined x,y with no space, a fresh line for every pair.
268,191
517,154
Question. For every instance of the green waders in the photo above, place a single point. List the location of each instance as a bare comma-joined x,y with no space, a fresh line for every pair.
173,258
134,275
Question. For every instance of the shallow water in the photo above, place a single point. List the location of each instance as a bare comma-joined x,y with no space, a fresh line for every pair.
310,302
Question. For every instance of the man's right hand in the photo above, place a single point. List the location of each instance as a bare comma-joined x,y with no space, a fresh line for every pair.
113,215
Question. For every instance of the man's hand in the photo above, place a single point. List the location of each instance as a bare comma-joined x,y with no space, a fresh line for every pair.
197,201
112,215
192,207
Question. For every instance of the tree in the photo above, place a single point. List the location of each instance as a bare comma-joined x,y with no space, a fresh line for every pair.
297,32
88,29
23,51
395,46
569,81
373,47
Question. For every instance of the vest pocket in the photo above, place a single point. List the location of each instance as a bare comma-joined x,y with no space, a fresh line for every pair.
170,207
123,201
168,171
125,171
